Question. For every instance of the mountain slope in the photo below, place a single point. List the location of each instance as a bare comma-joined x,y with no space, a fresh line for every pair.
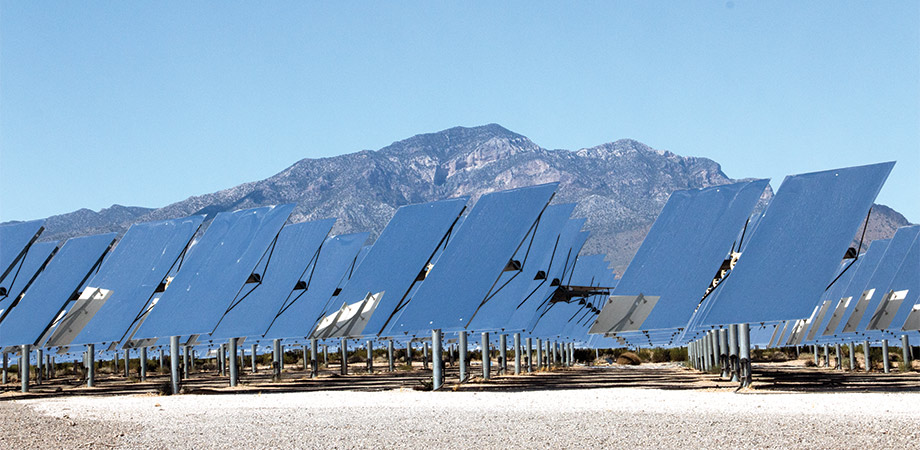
620,187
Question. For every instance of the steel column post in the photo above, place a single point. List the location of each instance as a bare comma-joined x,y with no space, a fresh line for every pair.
838,364
539,354
234,367
437,362
391,363
486,357
517,353
529,355
40,366
343,344
503,353
24,366
425,355
464,360
186,357
867,358
90,356
252,357
827,356
723,353
886,363
143,364
6,368
314,358
852,356
370,356
744,341
173,363
905,350
276,359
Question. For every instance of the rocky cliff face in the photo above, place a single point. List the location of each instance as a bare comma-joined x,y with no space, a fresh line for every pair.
620,187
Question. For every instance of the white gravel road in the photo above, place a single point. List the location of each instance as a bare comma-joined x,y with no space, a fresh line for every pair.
594,418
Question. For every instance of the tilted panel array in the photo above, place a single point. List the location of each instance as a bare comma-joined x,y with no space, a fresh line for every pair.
465,275
519,285
214,272
53,289
16,284
15,238
399,257
683,252
287,262
801,238
337,258
132,271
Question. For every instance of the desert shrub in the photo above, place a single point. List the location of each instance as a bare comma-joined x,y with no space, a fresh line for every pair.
629,359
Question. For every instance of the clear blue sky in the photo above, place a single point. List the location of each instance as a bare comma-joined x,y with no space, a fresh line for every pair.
148,103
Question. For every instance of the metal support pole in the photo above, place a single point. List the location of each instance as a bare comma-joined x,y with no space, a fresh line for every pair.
464,360
409,354
281,356
143,364
529,342
391,363
325,355
814,350
539,353
306,360
548,353
555,353
707,353
276,359
886,363
6,368
127,363
343,345
252,358
867,358
723,353
40,366
437,369
173,363
838,364
90,365
852,356
162,359
503,353
234,367
425,355
486,357
744,342
186,361
24,367
314,358
905,350
716,351
517,353
370,356
827,356
221,360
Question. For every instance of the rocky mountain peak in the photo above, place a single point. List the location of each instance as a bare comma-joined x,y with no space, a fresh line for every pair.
620,187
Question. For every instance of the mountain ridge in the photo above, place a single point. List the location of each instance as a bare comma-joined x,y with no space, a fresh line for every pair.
620,186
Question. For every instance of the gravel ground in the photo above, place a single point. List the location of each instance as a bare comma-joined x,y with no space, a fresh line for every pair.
614,417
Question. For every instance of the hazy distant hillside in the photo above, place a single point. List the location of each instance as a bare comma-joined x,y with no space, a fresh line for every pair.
620,187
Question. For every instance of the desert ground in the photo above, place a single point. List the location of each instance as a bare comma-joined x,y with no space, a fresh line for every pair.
661,405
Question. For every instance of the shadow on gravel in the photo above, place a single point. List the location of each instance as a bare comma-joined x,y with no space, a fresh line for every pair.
768,378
